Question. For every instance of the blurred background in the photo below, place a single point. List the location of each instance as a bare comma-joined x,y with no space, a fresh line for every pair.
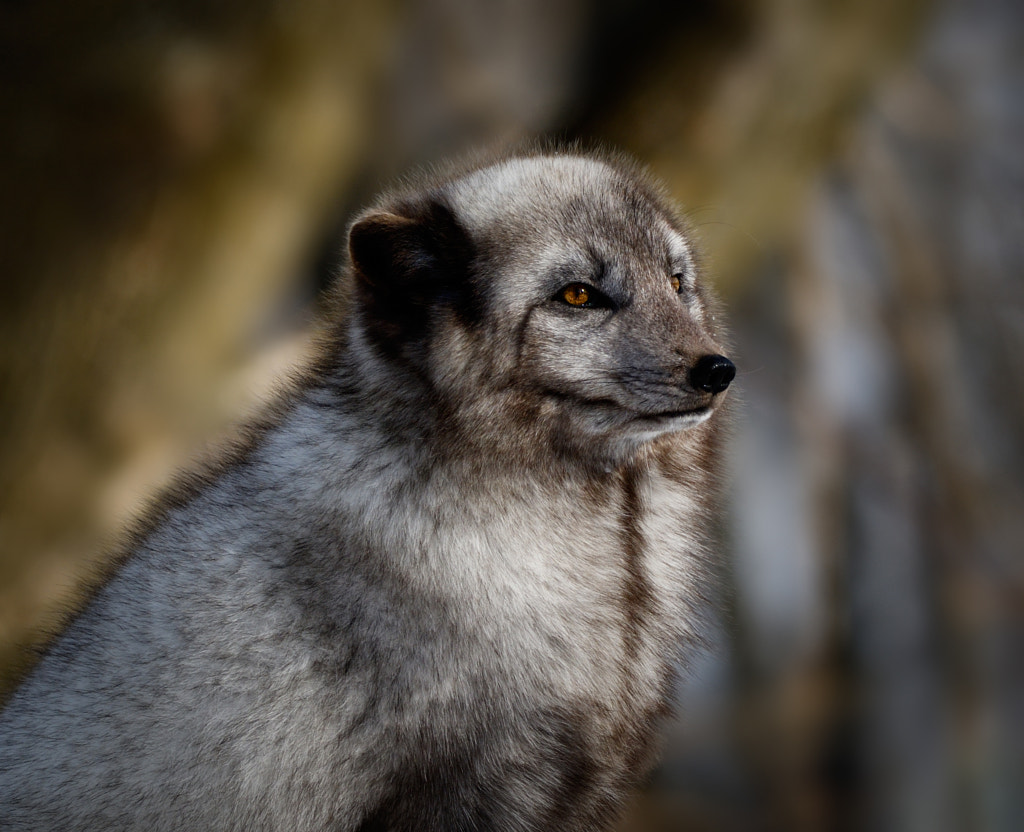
175,181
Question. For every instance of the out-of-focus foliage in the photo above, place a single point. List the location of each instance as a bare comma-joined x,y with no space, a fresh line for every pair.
176,184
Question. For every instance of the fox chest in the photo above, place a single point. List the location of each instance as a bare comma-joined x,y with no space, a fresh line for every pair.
576,603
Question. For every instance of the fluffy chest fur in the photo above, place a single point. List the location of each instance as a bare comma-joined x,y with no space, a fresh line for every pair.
509,609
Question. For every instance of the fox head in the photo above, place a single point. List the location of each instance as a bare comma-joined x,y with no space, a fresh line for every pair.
552,296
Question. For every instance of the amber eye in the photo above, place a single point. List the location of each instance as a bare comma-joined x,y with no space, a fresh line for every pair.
677,283
576,294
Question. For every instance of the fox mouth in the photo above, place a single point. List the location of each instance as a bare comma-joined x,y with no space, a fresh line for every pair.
691,412
659,420
666,418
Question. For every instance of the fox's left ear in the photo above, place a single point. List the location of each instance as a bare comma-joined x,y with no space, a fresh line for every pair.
405,263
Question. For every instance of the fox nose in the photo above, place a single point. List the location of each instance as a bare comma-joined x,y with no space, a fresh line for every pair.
712,373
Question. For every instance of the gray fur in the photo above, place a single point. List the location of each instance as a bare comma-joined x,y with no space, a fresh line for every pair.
445,586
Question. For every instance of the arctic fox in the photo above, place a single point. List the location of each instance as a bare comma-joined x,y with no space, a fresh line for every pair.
446,585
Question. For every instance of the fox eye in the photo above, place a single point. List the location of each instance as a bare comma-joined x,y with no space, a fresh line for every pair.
583,296
677,283
578,294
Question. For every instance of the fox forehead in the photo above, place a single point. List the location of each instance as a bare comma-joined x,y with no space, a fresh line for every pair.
565,206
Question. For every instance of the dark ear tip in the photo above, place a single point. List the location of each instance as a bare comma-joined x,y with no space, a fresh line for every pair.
373,229
372,242
380,221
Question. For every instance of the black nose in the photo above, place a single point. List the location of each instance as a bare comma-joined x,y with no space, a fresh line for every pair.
712,373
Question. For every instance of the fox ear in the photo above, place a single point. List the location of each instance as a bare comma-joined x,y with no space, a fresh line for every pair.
408,262
388,250
422,250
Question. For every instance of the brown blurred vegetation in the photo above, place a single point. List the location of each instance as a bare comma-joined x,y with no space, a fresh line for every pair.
176,181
